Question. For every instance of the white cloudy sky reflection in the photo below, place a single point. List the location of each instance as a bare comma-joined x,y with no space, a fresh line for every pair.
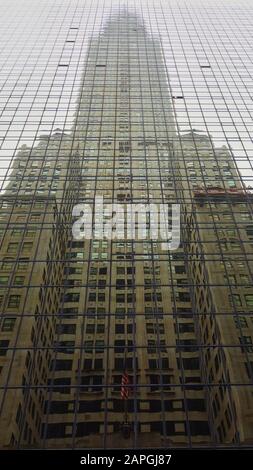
36,98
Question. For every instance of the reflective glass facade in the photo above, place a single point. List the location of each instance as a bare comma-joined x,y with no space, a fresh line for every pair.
122,341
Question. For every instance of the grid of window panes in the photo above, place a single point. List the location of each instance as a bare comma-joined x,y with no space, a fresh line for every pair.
139,104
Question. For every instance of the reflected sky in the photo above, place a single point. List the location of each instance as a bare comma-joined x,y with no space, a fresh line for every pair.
207,48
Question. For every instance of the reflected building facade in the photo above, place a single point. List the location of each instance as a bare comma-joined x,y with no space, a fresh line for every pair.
79,314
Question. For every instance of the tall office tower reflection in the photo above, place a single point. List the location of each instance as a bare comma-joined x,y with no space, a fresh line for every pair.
120,343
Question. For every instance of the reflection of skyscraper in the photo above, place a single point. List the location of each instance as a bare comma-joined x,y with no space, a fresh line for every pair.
78,315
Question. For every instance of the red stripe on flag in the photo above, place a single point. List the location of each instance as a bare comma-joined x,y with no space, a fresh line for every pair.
125,389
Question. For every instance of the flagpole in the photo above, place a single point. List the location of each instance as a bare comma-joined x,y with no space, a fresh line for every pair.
126,409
